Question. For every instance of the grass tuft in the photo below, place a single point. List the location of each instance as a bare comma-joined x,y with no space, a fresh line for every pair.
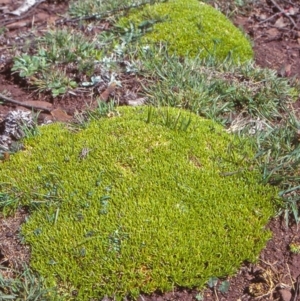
24,285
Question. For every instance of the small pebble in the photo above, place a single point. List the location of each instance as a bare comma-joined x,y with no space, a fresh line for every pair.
285,295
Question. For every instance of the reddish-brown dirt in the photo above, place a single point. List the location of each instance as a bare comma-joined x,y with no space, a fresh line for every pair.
276,45
19,33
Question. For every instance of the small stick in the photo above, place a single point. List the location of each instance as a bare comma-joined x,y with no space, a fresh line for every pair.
16,102
290,2
297,289
216,294
270,18
282,10
293,286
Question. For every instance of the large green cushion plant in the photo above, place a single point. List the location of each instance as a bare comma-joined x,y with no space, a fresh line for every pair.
189,27
146,200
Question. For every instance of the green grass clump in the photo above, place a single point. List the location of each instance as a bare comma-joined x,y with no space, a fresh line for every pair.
90,7
24,285
216,90
190,27
57,57
161,198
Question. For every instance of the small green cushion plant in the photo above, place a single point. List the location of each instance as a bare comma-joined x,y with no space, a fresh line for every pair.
143,201
189,27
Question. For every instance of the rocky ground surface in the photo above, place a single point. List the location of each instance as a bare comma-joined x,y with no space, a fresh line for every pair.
274,28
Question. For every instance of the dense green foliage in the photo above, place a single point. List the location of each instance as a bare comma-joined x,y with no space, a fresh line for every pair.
190,27
160,198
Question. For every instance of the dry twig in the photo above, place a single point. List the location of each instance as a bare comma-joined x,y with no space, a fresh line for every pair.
16,102
284,13
297,290
270,18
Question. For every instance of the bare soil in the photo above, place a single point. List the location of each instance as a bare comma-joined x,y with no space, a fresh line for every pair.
274,28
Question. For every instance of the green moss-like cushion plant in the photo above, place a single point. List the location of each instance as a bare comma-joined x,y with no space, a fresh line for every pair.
189,27
146,200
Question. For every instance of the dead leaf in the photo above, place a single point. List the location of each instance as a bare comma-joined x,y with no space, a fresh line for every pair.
6,156
51,20
272,32
292,11
288,69
17,25
280,22
263,17
285,70
105,95
60,115
27,4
